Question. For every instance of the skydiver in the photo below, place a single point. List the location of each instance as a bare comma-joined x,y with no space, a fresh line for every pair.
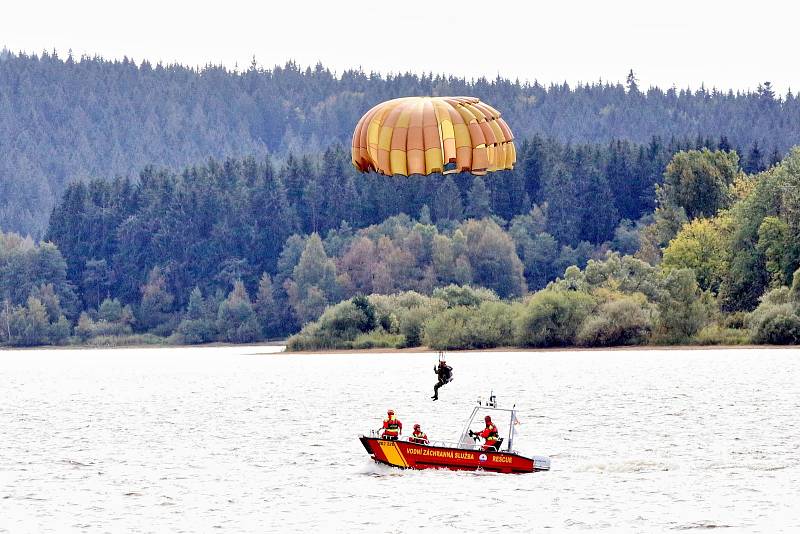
445,374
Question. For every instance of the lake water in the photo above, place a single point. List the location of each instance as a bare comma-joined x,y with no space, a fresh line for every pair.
240,440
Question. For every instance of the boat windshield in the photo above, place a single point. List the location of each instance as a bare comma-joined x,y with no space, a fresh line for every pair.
502,418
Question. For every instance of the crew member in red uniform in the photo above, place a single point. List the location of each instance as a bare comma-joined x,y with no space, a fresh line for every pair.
392,427
489,434
418,436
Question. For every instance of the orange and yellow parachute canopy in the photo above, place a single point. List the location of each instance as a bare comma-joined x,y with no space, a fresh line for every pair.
425,135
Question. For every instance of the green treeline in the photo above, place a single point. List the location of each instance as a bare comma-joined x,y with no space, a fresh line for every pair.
217,253
69,119
39,303
718,264
604,305
211,225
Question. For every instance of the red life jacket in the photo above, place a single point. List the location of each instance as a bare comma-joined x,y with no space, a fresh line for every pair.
490,434
419,437
392,426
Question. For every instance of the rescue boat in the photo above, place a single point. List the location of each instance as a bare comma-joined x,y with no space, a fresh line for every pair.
466,454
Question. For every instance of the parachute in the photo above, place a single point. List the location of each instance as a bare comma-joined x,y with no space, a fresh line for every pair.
426,135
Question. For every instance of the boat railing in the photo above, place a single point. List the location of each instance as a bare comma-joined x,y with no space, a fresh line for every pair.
446,444
432,442
441,443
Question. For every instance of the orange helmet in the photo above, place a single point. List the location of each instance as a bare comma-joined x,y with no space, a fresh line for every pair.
390,412
416,426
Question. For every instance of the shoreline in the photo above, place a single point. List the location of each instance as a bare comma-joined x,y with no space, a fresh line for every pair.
216,344
418,350
409,350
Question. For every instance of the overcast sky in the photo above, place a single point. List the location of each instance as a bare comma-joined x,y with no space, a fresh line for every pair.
676,42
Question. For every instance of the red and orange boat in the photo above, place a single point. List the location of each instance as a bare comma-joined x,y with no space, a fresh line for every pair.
463,455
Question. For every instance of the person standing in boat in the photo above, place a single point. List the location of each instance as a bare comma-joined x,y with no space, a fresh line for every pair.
445,374
392,427
418,436
490,434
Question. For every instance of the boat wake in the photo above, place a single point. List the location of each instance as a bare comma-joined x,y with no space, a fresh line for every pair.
628,466
373,468
701,525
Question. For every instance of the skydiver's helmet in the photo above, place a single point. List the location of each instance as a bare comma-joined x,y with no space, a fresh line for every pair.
390,412
416,427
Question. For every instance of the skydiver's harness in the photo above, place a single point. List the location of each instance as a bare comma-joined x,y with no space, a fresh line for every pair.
445,374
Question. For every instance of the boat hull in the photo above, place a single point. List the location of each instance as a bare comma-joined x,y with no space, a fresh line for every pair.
408,455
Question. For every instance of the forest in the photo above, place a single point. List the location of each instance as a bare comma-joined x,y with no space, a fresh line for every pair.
236,227
248,220
219,253
75,119
719,263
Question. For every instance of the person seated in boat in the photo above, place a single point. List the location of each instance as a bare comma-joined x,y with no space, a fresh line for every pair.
418,436
445,374
489,434
392,427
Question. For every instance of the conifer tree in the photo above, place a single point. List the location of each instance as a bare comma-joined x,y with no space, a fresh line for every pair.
632,83
96,282
266,307
236,319
755,160
197,306
447,205
155,308
425,215
478,202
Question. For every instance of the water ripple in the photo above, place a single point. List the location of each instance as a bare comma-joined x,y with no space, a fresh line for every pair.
201,439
